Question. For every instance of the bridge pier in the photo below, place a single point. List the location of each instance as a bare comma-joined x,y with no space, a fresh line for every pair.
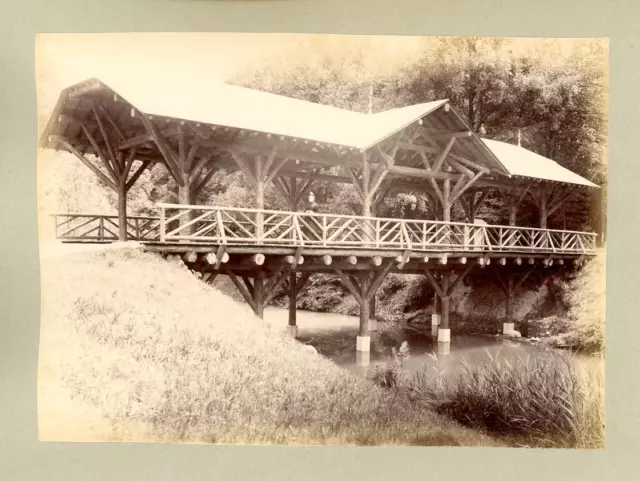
510,281
292,328
293,287
436,317
363,286
443,285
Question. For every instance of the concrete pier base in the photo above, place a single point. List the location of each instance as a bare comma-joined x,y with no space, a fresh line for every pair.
444,348
434,331
363,343
292,331
508,328
435,319
363,358
444,335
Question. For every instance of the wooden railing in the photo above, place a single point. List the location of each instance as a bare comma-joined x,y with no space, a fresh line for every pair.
225,225
104,228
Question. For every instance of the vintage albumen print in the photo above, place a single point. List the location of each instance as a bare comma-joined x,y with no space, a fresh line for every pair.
316,239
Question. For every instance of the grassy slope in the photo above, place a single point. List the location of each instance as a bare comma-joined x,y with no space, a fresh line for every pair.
137,348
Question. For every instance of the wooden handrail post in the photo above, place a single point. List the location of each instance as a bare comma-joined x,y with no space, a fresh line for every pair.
259,226
101,229
163,225
324,230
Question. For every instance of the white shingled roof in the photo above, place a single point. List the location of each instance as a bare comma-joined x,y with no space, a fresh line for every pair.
245,108
525,163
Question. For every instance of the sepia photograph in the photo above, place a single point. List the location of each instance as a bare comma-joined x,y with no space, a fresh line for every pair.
296,239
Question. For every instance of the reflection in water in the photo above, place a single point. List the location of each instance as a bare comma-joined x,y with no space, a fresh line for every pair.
338,345
334,336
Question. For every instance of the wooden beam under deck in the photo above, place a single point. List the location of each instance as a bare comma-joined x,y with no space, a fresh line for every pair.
336,254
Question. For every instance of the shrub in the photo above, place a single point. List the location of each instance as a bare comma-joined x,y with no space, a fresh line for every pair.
387,376
585,296
539,401
391,375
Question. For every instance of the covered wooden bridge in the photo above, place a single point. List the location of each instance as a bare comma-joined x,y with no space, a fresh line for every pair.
121,131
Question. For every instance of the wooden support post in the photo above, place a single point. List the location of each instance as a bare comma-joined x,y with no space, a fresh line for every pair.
446,206
292,328
259,199
364,289
365,306
444,289
509,286
294,286
446,282
258,293
543,206
122,209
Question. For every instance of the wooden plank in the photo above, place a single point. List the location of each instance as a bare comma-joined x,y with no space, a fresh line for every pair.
403,259
248,285
524,277
439,161
470,163
379,279
244,167
107,142
302,281
243,290
305,187
99,152
272,288
167,152
114,125
350,286
558,203
93,168
205,179
201,163
129,163
377,180
141,168
465,187
356,184
460,168
434,284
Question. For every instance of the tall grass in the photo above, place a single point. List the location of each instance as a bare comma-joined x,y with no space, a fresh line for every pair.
537,401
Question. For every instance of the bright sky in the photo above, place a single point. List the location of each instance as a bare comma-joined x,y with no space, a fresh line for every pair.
65,59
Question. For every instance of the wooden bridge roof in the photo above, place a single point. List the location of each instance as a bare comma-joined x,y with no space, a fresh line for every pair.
522,162
225,117
253,112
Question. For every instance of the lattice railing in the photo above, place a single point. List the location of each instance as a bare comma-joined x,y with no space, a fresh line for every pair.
104,228
227,225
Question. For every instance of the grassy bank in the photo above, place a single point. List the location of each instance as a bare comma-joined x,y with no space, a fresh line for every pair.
136,348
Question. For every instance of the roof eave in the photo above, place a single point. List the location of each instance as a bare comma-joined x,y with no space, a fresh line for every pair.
504,171
404,126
